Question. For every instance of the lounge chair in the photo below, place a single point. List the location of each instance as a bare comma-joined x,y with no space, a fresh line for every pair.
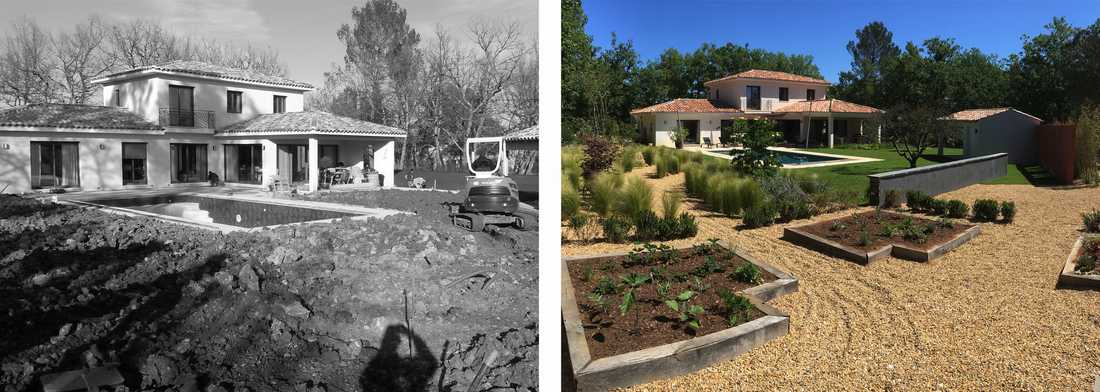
707,143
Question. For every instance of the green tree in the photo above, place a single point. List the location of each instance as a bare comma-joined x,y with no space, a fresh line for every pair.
872,50
1038,76
754,159
912,128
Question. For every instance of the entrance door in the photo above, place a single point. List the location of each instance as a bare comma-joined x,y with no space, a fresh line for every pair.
692,127
293,163
54,164
752,94
181,106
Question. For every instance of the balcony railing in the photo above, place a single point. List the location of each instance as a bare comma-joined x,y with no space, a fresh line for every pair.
763,105
186,118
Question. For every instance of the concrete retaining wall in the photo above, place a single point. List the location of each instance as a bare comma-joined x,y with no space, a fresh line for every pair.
940,178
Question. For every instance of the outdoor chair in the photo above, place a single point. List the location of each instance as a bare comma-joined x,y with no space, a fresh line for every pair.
707,143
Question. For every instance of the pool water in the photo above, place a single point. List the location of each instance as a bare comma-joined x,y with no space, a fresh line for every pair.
240,213
794,159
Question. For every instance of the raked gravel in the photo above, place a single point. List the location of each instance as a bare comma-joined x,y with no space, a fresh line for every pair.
985,317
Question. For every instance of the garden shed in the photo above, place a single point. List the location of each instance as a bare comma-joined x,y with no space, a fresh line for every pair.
997,130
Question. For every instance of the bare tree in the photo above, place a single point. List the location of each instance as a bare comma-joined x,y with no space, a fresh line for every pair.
142,42
521,97
26,66
80,60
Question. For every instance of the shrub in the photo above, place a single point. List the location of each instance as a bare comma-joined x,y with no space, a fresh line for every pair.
599,155
647,226
759,215
572,158
937,207
985,210
670,204
747,273
1085,263
635,198
1008,211
648,154
1087,166
616,229
570,201
957,209
917,200
668,164
603,190
728,196
788,198
752,195
628,159
892,199
754,159
687,226
1092,221
578,223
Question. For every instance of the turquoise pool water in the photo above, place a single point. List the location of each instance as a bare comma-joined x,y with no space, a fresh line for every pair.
794,158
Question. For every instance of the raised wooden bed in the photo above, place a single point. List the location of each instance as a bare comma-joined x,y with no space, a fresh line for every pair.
1070,279
805,237
677,358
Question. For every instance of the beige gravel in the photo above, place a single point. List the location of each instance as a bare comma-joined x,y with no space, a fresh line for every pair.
985,317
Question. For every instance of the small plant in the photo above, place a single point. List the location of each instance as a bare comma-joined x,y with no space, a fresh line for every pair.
663,289
917,200
759,215
937,207
605,286
946,222
892,199
957,209
1085,264
864,238
586,276
599,300
688,227
1008,211
737,307
670,204
888,230
699,286
599,154
687,314
709,266
616,229
578,223
647,226
1092,221
632,282
837,226
628,159
985,210
747,273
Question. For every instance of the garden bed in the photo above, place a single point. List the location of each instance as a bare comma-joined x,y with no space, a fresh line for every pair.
652,339
872,235
1075,275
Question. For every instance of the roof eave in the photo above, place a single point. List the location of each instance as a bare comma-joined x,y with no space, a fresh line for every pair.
138,73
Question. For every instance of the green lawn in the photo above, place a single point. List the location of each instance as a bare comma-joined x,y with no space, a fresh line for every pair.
853,177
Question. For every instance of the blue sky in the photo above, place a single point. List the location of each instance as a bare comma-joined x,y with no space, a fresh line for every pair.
823,28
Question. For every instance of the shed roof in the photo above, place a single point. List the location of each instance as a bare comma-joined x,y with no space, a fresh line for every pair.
529,133
979,114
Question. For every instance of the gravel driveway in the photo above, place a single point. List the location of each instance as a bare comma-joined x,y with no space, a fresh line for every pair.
984,317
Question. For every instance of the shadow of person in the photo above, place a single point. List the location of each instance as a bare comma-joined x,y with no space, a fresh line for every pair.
390,371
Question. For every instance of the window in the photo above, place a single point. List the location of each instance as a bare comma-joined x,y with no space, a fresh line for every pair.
279,104
784,94
753,94
811,94
243,163
118,97
188,162
54,165
133,163
233,101
181,106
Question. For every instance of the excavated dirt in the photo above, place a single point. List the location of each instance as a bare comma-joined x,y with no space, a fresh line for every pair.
408,302
609,332
984,317
849,230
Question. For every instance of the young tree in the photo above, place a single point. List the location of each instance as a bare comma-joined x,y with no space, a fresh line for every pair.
1088,144
911,129
754,159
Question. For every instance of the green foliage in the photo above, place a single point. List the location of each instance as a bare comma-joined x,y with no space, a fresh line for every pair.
917,200
985,210
687,314
646,226
648,154
1008,211
616,229
1092,221
570,202
636,197
667,164
759,215
957,209
677,135
710,266
911,129
864,237
754,159
578,223
937,207
1087,166
571,159
892,199
747,273
687,228
603,191
670,203
631,283
1085,263
1090,251
788,198
628,159
599,155
737,307
605,286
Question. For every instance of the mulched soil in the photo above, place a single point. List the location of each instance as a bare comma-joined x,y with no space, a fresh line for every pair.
1091,246
609,332
300,307
847,230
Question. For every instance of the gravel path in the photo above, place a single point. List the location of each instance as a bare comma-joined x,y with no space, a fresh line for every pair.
984,317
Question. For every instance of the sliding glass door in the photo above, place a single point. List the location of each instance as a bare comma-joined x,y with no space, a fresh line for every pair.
55,164
188,162
293,163
133,163
243,163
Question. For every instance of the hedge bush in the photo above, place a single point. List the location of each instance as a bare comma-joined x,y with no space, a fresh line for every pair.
603,189
759,215
937,207
635,198
892,199
986,210
616,229
917,200
957,209
570,201
1008,211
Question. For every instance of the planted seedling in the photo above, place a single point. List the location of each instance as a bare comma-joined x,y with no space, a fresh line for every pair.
663,289
864,237
588,273
837,226
747,273
709,266
632,282
658,273
737,307
699,286
605,286
687,314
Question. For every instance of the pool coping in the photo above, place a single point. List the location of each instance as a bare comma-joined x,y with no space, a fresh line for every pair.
359,213
842,159
676,358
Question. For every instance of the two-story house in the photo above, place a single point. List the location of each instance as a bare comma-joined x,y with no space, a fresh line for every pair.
797,103
176,123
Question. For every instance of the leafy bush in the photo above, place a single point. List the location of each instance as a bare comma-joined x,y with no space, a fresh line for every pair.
1008,211
646,226
917,200
892,199
759,215
985,210
616,229
747,273
937,207
670,204
1085,263
957,209
570,201
754,159
604,190
578,223
648,154
572,158
752,195
788,198
737,307
599,154
635,198
1087,166
688,227
1092,221
605,286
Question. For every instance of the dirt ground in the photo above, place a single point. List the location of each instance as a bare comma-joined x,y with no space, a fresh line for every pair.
407,302
984,317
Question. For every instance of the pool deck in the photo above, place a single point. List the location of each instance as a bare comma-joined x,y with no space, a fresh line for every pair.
840,159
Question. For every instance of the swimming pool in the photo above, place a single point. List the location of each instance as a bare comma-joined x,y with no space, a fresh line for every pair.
791,158
230,213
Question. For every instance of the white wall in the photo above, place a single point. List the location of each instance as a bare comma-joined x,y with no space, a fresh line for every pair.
731,91
663,124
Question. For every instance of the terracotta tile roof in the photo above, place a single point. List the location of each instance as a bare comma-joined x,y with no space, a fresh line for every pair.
210,70
978,114
688,105
531,133
770,75
825,106
51,115
308,123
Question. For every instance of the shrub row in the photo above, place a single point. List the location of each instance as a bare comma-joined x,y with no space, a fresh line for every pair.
985,210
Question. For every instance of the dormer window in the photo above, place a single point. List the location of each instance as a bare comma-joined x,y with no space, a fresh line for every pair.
784,94
279,104
811,94
233,101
